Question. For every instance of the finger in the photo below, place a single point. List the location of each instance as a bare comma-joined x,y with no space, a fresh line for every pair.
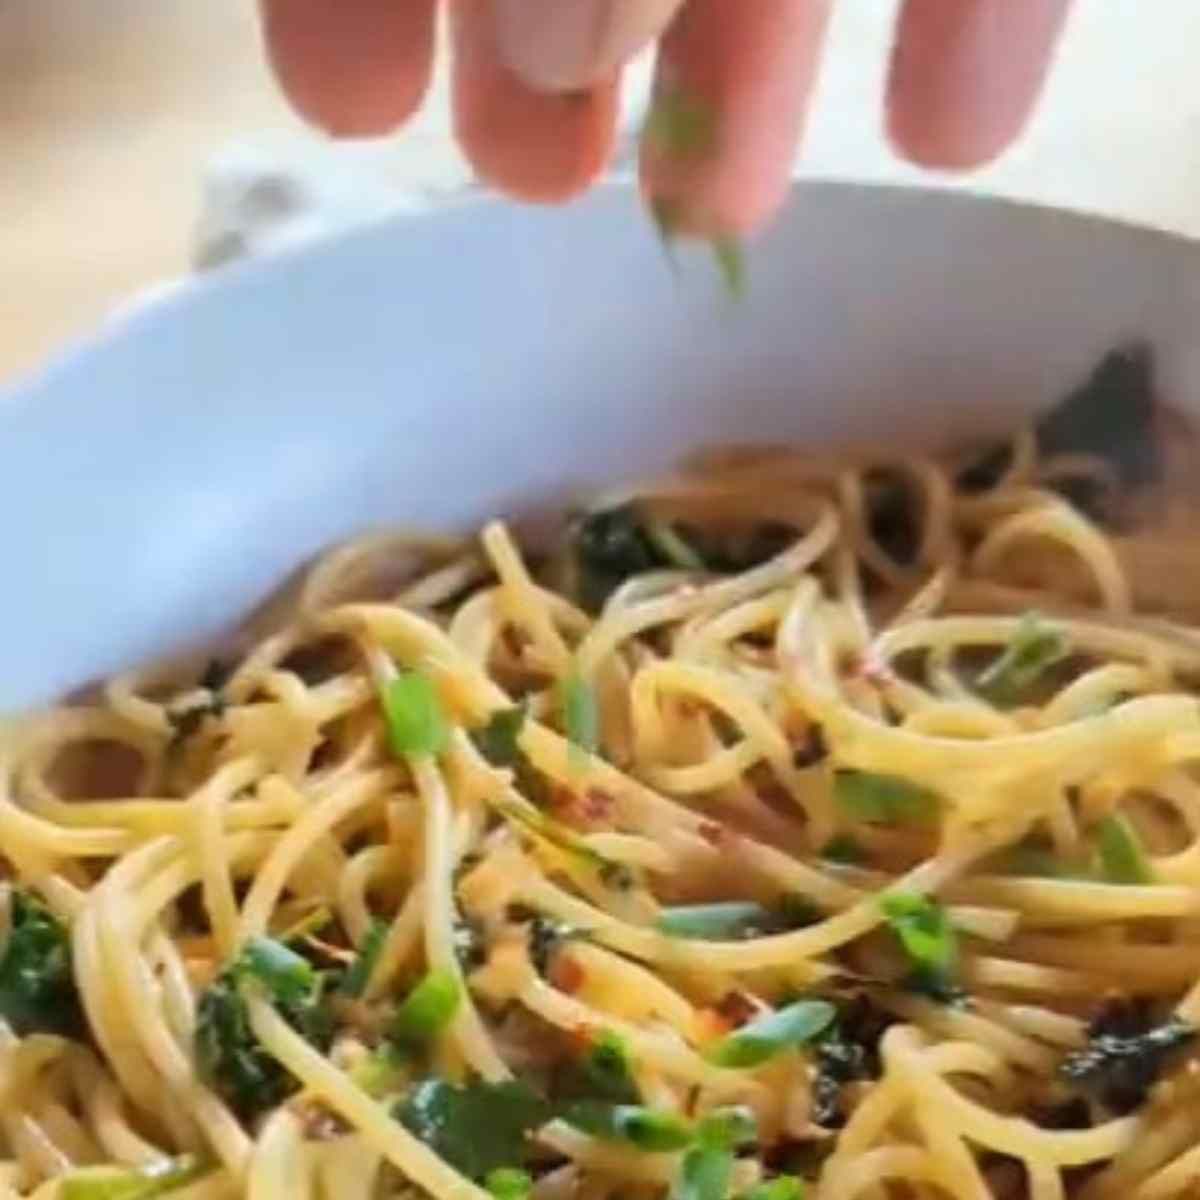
533,145
563,45
357,68
736,82
965,75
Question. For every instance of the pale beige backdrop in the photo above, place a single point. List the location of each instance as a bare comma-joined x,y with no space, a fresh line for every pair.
110,108
107,108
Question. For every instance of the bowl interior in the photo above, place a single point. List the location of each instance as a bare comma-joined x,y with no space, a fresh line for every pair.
432,371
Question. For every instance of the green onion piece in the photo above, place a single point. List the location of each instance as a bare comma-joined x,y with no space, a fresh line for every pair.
724,921
427,1009
497,740
766,1036
508,1183
646,1128
1032,860
131,1183
306,926
1122,859
1034,647
355,981
608,1068
924,930
782,1187
728,1128
285,974
415,722
731,262
673,547
704,1174
887,799
386,1071
680,125
844,849
580,714
667,218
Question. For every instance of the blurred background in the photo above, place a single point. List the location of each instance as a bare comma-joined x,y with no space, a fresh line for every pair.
112,112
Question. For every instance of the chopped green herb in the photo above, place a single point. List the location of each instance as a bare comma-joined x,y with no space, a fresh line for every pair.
704,1174
356,978
427,1009
886,799
415,722
308,925
731,262
646,1128
285,974
497,740
667,219
768,1035
1122,859
782,1187
927,938
228,1056
845,850
615,544
1033,649
581,717
730,920
383,1072
672,546
680,124
37,985
508,1183
728,1128
477,1128
604,1073
737,920
131,1183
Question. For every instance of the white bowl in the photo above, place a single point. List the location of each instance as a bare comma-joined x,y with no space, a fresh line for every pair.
156,483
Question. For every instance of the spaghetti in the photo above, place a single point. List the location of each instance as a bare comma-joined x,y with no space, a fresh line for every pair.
821,823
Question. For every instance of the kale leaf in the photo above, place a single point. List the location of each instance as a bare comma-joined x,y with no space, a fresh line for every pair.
476,1128
228,1056
1125,1054
615,544
37,987
1111,415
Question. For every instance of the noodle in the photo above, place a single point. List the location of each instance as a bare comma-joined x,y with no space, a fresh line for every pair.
757,832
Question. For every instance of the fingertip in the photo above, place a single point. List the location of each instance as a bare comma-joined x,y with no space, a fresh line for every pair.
355,68
965,76
534,146
741,82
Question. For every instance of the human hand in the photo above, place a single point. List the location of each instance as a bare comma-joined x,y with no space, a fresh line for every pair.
535,87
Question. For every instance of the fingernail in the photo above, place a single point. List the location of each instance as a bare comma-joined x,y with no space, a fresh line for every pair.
562,45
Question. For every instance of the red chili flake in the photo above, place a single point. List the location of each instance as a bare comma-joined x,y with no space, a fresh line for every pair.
870,668
566,974
719,836
597,805
736,1008
582,1038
